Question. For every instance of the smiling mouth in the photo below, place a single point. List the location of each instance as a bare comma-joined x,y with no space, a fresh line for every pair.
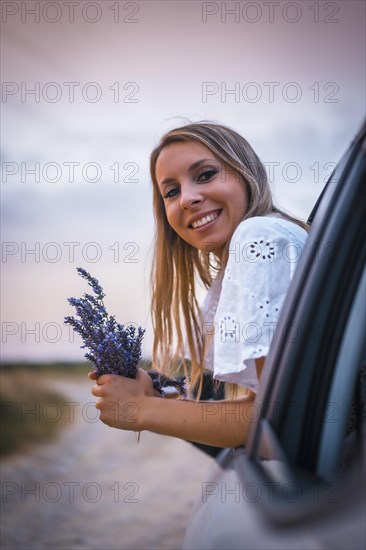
205,220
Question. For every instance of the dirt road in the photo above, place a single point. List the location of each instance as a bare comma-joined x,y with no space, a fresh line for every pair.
94,487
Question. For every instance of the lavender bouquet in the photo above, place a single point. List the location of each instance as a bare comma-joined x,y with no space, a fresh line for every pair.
113,348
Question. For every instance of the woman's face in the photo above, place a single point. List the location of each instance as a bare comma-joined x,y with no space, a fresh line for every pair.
204,199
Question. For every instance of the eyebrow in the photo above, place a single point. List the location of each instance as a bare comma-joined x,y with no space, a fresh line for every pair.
190,169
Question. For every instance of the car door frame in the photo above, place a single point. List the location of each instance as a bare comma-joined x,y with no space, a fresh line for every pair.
292,402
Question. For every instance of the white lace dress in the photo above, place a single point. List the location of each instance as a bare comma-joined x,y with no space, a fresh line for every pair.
242,306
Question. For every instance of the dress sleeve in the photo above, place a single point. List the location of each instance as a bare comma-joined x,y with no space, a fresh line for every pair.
263,255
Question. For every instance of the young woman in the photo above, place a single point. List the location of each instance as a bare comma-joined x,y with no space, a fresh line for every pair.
215,222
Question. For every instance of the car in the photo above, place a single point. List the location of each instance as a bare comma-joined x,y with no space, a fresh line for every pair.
300,481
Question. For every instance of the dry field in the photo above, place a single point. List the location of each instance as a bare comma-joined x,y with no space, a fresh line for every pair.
83,485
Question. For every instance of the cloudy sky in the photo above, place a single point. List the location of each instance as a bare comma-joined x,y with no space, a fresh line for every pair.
87,90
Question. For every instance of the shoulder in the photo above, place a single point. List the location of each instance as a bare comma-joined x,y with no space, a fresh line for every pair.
265,247
270,227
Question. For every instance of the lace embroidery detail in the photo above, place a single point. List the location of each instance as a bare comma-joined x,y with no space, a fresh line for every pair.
261,249
254,287
228,329
266,308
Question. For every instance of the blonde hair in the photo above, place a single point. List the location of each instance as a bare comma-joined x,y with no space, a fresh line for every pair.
176,263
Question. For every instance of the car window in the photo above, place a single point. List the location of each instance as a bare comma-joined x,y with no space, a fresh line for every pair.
339,421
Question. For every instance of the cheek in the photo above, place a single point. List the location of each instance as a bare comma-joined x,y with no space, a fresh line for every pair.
173,218
169,216
240,205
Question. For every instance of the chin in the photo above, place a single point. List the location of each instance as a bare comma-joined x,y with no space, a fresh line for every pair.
214,247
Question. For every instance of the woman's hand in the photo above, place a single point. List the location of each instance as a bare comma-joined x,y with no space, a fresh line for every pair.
121,399
129,404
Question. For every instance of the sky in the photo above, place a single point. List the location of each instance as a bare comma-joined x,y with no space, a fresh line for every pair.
88,88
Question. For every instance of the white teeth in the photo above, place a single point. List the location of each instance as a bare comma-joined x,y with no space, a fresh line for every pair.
204,220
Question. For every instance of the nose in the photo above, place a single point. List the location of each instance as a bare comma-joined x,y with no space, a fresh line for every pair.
190,195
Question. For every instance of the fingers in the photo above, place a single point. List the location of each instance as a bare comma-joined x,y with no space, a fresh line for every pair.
96,390
100,379
104,378
145,380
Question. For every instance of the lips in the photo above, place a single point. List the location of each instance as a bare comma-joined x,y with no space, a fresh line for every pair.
204,220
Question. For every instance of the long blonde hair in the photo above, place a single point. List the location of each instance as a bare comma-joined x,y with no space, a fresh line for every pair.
175,311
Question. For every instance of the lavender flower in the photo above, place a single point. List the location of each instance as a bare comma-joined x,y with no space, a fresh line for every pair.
160,381
113,348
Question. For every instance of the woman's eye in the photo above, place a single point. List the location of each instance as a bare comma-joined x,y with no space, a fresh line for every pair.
207,174
171,193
